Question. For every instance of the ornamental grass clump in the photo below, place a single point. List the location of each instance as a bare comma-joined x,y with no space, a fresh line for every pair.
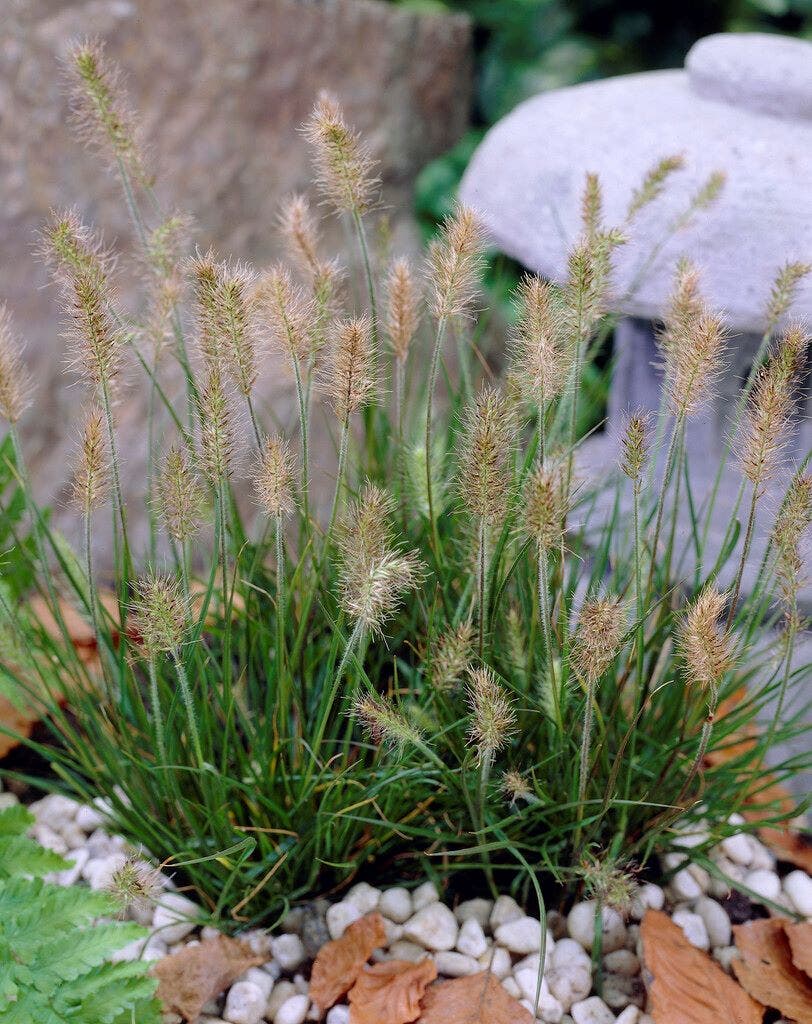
445,644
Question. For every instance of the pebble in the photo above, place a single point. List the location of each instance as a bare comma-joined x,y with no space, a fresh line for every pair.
455,965
623,961
684,886
471,939
763,882
245,1003
54,810
546,1006
89,818
647,897
282,991
8,800
497,961
738,848
798,887
99,871
339,917
396,904
288,951
631,1015
339,1015
293,1010
478,909
521,936
505,909
581,926
567,952
424,895
433,927
571,982
394,932
620,992
512,989
763,858
364,896
405,950
693,928
77,859
592,1011
260,978
717,923
174,917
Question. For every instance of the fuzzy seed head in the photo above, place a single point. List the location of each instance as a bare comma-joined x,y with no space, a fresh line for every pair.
373,599
166,244
684,308
653,184
15,381
692,369
216,428
592,206
488,439
159,614
102,117
515,787
455,261
94,338
136,885
300,232
493,718
91,477
274,477
237,316
374,575
608,882
589,280
451,657
791,523
351,382
204,272
784,290
706,647
635,446
402,308
539,342
180,496
599,637
290,314
343,163
545,507
765,433
385,724
69,247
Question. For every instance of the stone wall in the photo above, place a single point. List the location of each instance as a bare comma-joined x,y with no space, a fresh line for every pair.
222,87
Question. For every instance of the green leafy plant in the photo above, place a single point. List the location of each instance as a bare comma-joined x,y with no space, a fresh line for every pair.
446,646
53,953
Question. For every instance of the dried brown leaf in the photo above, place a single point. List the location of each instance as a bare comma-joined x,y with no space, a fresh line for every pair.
800,944
189,978
478,999
685,985
390,992
766,969
789,845
339,963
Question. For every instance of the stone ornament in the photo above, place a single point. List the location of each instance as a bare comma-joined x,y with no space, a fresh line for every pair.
742,105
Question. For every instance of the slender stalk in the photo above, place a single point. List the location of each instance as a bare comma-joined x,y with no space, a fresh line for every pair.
118,499
398,375
157,713
223,557
352,644
188,703
679,424
583,763
433,371
748,540
704,740
254,421
546,628
303,429
342,461
281,658
482,570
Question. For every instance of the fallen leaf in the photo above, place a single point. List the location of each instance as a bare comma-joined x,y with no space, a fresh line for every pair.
766,969
189,978
390,992
800,944
685,985
339,963
18,720
478,999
